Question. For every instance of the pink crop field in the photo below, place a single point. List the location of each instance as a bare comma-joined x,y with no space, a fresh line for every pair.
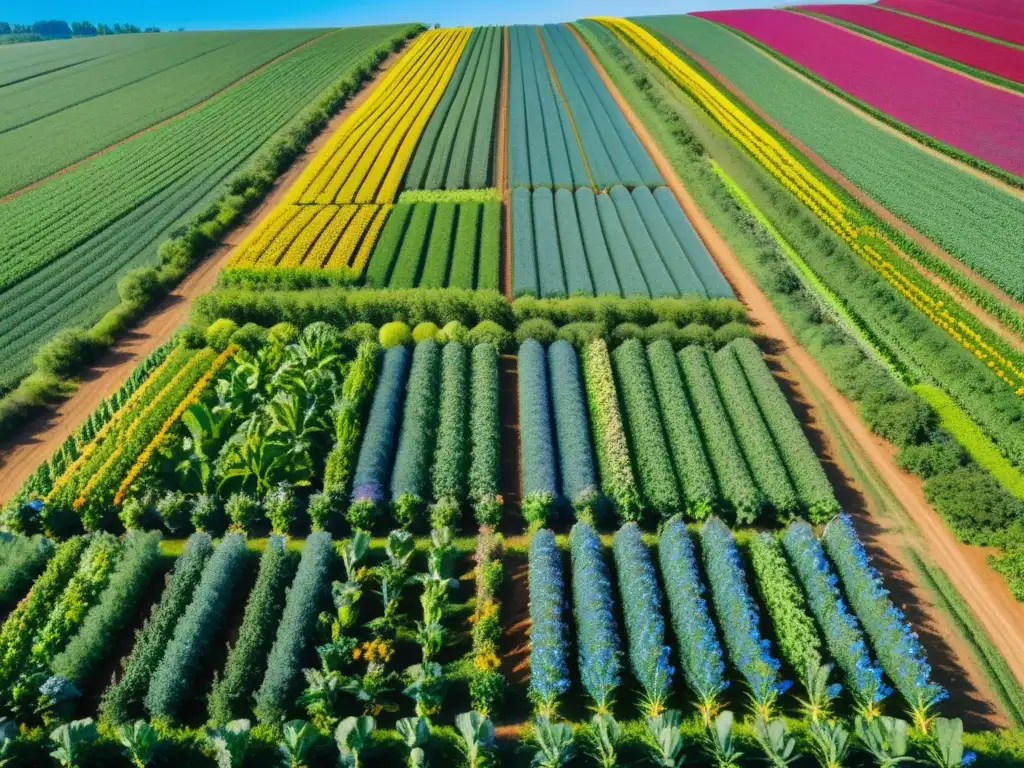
973,51
997,26
978,119
1010,9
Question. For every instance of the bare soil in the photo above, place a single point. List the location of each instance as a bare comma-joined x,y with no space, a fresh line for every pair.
165,121
36,442
995,609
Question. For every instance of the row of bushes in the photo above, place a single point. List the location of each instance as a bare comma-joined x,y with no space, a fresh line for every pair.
73,348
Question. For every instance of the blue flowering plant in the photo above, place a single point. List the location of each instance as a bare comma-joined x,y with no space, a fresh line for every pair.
549,636
536,434
600,652
899,651
739,618
842,632
642,613
699,648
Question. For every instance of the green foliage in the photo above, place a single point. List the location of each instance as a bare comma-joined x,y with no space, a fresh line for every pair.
22,559
489,332
121,700
280,506
113,609
196,630
350,418
410,477
485,436
452,456
245,665
70,739
539,328
293,633
536,434
394,333
424,331
572,431
242,510
219,333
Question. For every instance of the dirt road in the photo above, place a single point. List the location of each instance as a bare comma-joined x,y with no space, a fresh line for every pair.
33,444
997,612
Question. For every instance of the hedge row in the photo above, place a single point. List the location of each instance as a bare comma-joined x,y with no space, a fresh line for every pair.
22,559
572,430
379,438
549,634
536,436
734,480
410,478
570,241
294,633
121,701
196,630
485,434
114,607
808,476
349,419
647,437
753,436
700,491
248,657
611,444
451,459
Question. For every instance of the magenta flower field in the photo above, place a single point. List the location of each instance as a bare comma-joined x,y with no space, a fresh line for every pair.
1010,9
978,119
982,54
994,25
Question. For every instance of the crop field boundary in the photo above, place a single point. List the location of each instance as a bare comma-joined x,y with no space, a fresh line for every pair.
36,441
997,611
165,121
501,167
985,316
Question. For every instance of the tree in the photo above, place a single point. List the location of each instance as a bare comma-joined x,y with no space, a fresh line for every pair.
52,28
83,28
5,28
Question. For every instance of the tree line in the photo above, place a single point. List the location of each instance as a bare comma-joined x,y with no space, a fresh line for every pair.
57,28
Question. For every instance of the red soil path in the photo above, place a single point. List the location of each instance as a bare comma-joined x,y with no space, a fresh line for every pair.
36,442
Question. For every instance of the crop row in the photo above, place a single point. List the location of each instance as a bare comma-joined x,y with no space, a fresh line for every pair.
365,161
614,243
565,130
456,149
313,237
438,245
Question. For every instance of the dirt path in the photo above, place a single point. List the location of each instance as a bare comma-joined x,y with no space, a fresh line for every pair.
995,608
501,168
954,70
989,321
165,121
36,442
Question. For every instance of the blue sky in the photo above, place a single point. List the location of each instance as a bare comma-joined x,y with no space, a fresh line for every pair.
204,14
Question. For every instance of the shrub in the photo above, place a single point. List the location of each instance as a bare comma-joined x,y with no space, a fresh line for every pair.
489,332
394,333
424,331
379,439
24,557
410,478
799,640
900,653
646,435
625,331
242,510
19,627
302,605
752,434
730,332
282,334
204,513
349,419
485,436
611,445
600,650
734,480
173,509
451,459
580,334
842,632
247,659
219,333
539,328
113,609
549,633
641,601
250,337
454,331
974,505
540,483
738,616
699,649
809,478
360,333
196,630
121,700
575,455
692,466
280,506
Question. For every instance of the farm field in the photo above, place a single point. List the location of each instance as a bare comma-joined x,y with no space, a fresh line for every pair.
159,178
976,52
1004,24
555,404
929,99
58,117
